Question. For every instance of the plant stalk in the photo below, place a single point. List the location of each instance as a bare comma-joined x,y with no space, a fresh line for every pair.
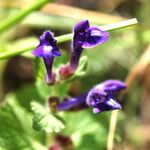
68,37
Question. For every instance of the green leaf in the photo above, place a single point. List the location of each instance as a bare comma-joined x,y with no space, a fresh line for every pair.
87,130
26,94
43,120
61,90
81,70
15,129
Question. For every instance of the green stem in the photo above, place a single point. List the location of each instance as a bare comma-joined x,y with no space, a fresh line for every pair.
119,25
12,20
64,38
68,37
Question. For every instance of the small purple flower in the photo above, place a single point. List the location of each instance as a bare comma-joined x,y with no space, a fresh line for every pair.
84,37
100,98
47,49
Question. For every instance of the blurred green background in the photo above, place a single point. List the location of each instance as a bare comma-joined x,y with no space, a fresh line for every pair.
118,58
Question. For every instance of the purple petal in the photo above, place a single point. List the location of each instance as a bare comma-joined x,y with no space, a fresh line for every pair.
80,33
95,95
96,110
96,37
114,85
56,53
108,105
81,26
46,38
113,104
48,61
43,51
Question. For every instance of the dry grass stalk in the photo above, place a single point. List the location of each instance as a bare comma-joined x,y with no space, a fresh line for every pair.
138,70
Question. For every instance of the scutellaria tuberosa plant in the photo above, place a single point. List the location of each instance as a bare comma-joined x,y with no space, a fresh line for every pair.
100,98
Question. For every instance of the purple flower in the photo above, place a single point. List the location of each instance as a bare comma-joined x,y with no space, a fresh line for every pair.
84,37
88,37
100,98
47,49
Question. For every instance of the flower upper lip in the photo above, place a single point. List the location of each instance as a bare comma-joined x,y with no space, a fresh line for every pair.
47,46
